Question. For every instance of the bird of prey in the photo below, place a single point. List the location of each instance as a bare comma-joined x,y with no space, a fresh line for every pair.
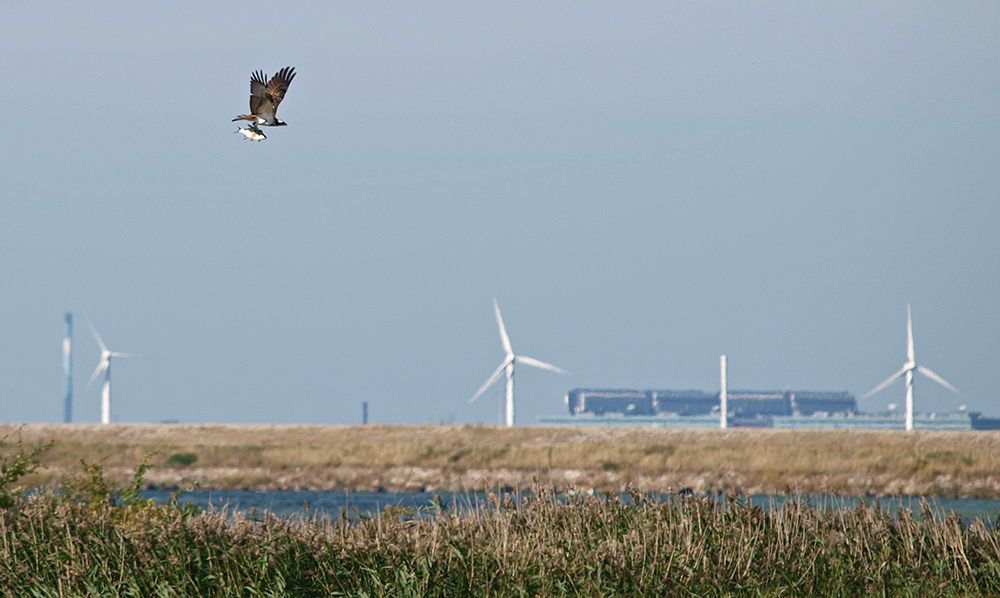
265,95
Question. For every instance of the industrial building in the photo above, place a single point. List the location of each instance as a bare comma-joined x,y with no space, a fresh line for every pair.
742,403
745,408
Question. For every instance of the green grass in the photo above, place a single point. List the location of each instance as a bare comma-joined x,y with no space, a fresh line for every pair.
91,536
94,539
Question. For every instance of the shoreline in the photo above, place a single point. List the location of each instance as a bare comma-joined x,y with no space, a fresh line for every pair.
460,458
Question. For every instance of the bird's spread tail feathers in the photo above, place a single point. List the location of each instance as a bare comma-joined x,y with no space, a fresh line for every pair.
250,117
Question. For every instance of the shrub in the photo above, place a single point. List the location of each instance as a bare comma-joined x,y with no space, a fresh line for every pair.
182,459
16,465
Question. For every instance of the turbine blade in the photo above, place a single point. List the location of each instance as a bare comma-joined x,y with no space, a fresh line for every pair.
97,336
937,379
117,354
100,368
909,335
503,331
887,382
539,364
491,380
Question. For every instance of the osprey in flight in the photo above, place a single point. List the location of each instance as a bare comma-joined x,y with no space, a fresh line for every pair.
264,99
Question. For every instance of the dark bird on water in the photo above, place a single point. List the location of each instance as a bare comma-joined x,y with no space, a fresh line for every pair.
265,95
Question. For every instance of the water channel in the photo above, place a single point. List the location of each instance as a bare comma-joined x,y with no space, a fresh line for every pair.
288,503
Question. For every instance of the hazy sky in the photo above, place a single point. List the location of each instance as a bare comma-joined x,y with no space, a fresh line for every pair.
643,186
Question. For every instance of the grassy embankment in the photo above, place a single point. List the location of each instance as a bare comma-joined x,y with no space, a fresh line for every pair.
462,458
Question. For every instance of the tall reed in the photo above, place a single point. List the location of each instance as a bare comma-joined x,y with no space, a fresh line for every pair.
96,540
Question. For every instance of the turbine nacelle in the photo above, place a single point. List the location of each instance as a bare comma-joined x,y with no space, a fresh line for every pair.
104,366
908,369
508,366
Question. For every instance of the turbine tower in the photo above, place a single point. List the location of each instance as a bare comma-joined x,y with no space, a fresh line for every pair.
908,368
68,369
105,366
723,395
508,366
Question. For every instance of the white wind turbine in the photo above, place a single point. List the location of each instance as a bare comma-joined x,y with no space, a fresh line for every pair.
105,366
508,366
908,368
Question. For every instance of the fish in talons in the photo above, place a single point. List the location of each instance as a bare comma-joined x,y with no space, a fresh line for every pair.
252,133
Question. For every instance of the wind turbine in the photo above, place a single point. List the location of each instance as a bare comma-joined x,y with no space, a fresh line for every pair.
908,368
508,366
104,366
68,369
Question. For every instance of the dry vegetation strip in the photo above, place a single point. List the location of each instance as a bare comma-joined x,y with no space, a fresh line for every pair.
476,457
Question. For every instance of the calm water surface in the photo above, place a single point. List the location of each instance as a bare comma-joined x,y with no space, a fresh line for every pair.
333,504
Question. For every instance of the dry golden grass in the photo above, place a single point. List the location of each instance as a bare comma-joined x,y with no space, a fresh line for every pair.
476,457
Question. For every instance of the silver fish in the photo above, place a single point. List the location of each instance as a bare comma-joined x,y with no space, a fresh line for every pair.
252,133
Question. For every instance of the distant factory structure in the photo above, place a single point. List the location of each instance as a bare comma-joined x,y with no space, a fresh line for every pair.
745,408
756,408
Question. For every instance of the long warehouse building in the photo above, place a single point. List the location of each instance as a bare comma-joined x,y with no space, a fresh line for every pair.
745,408
741,403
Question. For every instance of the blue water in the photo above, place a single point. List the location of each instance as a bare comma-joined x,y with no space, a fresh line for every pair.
307,502
333,504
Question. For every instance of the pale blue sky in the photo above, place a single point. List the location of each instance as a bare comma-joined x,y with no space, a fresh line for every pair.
642,187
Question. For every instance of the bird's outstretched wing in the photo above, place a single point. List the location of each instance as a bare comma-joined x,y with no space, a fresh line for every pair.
279,83
266,95
260,100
